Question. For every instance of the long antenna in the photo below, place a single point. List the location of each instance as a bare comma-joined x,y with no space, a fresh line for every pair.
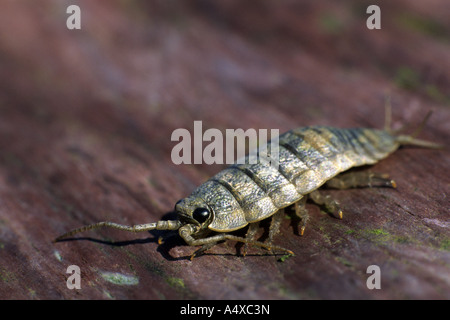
388,114
421,125
160,225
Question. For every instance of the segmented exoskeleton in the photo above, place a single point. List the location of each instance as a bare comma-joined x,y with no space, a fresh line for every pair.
245,194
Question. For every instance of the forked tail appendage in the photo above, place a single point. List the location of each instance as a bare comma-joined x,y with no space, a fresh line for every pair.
404,139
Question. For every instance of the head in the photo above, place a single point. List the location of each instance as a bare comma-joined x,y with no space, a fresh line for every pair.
195,211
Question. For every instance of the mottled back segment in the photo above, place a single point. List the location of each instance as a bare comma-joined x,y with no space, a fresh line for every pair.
308,157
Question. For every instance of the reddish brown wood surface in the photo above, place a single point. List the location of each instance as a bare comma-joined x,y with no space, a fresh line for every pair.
86,118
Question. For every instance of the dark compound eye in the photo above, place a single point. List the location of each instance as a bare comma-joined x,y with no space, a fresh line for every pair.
201,214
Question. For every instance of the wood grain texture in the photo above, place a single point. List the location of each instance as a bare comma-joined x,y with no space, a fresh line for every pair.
86,118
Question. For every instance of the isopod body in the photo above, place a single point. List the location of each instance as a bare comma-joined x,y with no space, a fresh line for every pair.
244,194
308,157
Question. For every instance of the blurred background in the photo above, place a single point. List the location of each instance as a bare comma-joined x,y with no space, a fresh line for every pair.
86,118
